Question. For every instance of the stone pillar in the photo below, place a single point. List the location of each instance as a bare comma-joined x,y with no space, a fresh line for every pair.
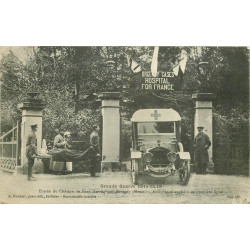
203,117
111,130
31,113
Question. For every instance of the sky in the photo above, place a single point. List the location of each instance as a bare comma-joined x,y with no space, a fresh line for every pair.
20,52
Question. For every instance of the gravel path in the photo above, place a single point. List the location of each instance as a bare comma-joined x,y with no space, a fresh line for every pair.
117,187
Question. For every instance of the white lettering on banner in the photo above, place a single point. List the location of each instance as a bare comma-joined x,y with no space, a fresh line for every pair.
160,82
156,80
157,86
146,86
158,74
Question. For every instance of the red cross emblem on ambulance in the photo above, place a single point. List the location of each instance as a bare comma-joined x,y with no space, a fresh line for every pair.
155,115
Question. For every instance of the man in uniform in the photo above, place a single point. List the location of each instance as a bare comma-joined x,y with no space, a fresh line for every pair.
31,151
95,144
95,139
201,146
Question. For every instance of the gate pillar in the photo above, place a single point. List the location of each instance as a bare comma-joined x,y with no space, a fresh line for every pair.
31,113
111,134
203,117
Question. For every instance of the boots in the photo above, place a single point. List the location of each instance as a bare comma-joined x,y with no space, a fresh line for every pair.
204,169
198,169
30,176
33,178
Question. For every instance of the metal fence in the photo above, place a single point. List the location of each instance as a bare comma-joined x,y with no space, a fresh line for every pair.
231,159
10,148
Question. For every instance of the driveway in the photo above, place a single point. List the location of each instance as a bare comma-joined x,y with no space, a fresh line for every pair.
117,187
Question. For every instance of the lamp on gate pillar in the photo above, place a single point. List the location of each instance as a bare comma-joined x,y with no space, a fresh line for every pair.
203,79
111,75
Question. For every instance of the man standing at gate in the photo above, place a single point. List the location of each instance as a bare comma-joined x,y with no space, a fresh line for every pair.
95,139
31,151
201,146
95,144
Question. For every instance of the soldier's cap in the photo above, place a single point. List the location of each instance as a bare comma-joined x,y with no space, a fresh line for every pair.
200,126
33,125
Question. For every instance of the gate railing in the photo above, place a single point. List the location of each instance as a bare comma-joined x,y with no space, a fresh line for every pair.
10,149
231,159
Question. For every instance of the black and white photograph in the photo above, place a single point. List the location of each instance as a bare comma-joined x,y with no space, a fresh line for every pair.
124,124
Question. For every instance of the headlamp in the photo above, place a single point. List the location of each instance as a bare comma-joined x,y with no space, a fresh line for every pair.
148,157
171,156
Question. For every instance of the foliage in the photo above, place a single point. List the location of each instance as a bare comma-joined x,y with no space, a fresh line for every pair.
69,80
126,140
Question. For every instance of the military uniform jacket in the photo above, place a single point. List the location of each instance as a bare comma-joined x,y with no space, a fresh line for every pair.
58,141
201,145
31,145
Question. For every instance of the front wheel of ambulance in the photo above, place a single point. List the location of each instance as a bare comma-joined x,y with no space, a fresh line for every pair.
184,172
135,171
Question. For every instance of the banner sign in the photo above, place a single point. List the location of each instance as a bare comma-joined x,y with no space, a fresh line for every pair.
160,82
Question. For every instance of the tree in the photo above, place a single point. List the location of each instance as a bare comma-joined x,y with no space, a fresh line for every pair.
69,80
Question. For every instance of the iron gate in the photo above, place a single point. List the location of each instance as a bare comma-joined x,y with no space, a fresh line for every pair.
10,149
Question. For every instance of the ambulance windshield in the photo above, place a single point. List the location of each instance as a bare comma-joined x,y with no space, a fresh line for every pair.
155,128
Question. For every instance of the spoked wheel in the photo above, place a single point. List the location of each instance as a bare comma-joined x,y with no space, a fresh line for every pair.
134,171
184,172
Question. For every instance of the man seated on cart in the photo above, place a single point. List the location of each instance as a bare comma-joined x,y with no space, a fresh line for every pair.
59,143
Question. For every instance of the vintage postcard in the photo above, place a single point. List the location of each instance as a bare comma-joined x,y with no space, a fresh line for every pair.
124,124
